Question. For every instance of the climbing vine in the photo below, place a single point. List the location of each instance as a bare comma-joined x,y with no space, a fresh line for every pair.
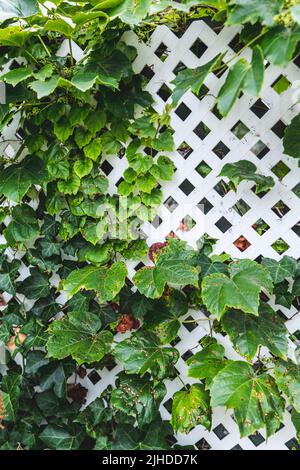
71,232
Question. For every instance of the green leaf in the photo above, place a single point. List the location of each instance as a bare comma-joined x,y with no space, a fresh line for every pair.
36,286
192,79
136,250
15,180
279,45
84,81
233,86
60,438
44,87
131,11
13,36
59,26
138,397
248,332
165,168
15,76
291,140
71,186
143,128
146,183
245,170
296,422
287,376
143,352
83,167
99,254
23,226
106,282
255,77
95,120
78,335
97,185
141,163
191,408
82,137
240,290
82,17
256,10
207,363
255,399
18,9
10,393
280,270
93,149
45,72
124,188
9,271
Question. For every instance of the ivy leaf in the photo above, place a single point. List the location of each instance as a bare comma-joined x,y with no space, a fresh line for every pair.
233,86
258,10
45,72
287,376
36,286
280,270
143,352
191,408
164,142
291,140
84,81
18,9
255,76
15,76
138,397
206,363
60,438
9,271
78,335
10,393
192,79
106,282
152,437
23,226
15,180
245,170
240,290
83,167
248,332
255,399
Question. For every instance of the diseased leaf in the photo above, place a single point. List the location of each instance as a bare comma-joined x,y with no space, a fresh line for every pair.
287,376
255,399
191,408
240,290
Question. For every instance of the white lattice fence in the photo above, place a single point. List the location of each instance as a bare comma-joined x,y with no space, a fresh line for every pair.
205,142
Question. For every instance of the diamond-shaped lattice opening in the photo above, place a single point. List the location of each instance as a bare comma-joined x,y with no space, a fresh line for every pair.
119,182
183,111
235,43
296,228
168,405
162,52
202,130
216,112
185,150
139,266
186,224
240,130
94,377
198,48
222,188
281,84
221,150
260,149
9,151
179,67
186,187
203,444
220,431
220,71
205,206
187,355
242,243
106,167
189,323
202,92
261,227
297,61
280,246
223,224
241,207
147,72
237,447
292,444
279,129
280,169
203,169
164,92
280,209
216,26
259,108
150,151
256,439
296,190
171,204
156,221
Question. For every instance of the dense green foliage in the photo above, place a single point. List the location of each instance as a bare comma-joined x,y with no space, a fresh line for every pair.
64,224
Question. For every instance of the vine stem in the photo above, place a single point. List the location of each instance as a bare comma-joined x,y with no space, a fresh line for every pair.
44,45
71,52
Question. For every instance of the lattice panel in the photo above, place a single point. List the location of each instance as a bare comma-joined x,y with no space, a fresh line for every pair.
205,142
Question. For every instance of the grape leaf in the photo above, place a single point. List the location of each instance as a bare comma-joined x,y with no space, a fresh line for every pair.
142,352
233,86
291,140
255,76
191,408
206,363
240,290
296,422
78,335
279,45
248,332
287,376
15,76
23,226
255,399
17,9
256,10
245,170
138,397
280,270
